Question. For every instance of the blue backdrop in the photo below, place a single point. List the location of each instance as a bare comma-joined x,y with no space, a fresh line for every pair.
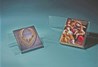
16,14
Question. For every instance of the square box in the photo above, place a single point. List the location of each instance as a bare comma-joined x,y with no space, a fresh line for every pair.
74,33
27,39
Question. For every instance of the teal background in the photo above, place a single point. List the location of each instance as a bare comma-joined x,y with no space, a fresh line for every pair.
16,14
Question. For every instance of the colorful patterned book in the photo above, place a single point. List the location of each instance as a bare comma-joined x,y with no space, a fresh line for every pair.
74,33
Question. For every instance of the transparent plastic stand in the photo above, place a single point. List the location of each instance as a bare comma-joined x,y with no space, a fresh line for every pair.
56,26
14,46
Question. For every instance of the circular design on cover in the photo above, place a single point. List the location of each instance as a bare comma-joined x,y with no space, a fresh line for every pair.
27,37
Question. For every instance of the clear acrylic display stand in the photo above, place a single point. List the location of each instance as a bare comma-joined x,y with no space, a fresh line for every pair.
13,45
56,25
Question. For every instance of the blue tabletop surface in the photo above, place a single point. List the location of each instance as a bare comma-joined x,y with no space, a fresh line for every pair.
23,13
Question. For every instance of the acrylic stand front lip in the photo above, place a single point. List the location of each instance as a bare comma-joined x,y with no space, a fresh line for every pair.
91,40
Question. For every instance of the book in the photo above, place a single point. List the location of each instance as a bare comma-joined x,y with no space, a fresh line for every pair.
74,33
27,39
